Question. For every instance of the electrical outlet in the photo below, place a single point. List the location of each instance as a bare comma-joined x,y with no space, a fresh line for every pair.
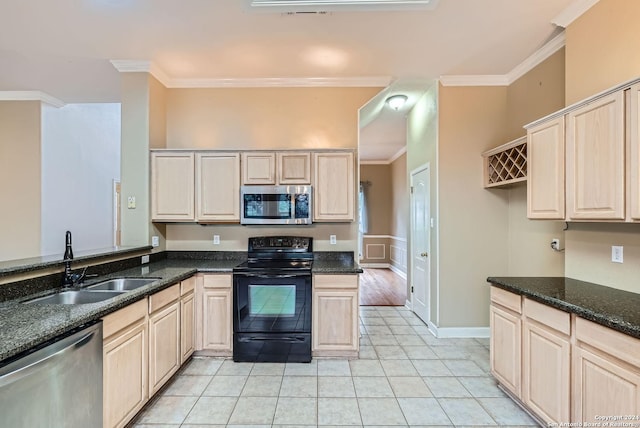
145,259
555,244
333,240
131,202
155,241
216,239
616,254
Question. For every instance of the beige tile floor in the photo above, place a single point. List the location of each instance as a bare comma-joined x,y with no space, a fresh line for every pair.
404,377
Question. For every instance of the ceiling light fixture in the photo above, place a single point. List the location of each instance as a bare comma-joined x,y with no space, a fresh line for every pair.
396,101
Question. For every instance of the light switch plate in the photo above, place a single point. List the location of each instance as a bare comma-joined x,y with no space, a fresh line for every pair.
155,241
131,202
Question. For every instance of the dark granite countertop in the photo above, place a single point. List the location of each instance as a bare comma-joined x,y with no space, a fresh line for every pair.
24,326
12,267
613,308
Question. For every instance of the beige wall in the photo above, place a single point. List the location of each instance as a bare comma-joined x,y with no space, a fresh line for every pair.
379,197
400,213
20,175
473,220
263,118
602,48
535,95
422,148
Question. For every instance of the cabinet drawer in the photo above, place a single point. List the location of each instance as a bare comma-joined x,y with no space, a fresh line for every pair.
187,285
619,345
216,281
335,281
123,318
163,298
551,317
507,299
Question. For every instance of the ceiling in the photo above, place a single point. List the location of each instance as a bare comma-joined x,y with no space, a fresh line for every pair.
64,47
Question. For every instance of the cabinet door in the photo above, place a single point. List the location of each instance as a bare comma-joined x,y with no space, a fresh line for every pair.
334,187
294,168
634,152
601,387
187,326
505,349
258,168
216,319
545,170
172,187
218,187
596,160
335,321
164,345
545,372
125,375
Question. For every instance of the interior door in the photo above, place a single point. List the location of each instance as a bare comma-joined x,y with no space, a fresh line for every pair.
420,239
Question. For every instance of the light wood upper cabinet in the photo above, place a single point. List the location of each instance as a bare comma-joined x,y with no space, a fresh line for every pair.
218,187
545,170
164,336
258,168
596,160
546,361
294,168
172,184
633,152
214,322
334,192
124,364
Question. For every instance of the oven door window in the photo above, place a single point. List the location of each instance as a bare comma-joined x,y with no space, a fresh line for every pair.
267,206
272,300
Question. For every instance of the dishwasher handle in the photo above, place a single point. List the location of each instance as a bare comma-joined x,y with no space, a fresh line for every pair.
34,361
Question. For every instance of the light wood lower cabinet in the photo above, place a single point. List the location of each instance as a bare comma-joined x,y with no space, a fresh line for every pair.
187,318
606,373
545,361
335,327
213,313
506,337
124,364
164,336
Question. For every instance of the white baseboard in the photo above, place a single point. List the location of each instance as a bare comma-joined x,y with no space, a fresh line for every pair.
460,332
403,275
375,265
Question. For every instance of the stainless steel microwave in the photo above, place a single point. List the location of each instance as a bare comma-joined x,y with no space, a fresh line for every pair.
275,205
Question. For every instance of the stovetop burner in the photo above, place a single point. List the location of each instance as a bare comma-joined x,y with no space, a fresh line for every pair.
278,254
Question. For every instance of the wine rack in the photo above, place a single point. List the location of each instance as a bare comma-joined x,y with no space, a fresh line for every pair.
506,164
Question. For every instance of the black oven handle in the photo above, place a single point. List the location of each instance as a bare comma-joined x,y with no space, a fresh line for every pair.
266,275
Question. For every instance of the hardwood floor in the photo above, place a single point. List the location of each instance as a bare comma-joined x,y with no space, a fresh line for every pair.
382,287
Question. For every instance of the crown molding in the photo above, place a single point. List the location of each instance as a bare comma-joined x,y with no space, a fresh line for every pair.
373,162
475,80
31,96
137,66
573,12
389,161
399,153
267,82
548,49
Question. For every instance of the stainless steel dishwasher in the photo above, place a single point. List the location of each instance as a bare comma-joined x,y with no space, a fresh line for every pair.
58,385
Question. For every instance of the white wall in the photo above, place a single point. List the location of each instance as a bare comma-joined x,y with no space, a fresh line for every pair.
80,160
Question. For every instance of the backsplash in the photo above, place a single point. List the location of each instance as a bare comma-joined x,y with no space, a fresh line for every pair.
588,254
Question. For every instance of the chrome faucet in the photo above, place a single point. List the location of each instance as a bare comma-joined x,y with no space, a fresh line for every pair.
70,279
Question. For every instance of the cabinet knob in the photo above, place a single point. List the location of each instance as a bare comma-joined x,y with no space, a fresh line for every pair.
424,254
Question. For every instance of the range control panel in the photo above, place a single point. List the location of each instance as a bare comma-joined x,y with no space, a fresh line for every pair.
280,243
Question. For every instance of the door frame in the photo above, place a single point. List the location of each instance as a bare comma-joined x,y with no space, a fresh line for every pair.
412,173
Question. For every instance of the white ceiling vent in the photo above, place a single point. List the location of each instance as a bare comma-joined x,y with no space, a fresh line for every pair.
341,5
